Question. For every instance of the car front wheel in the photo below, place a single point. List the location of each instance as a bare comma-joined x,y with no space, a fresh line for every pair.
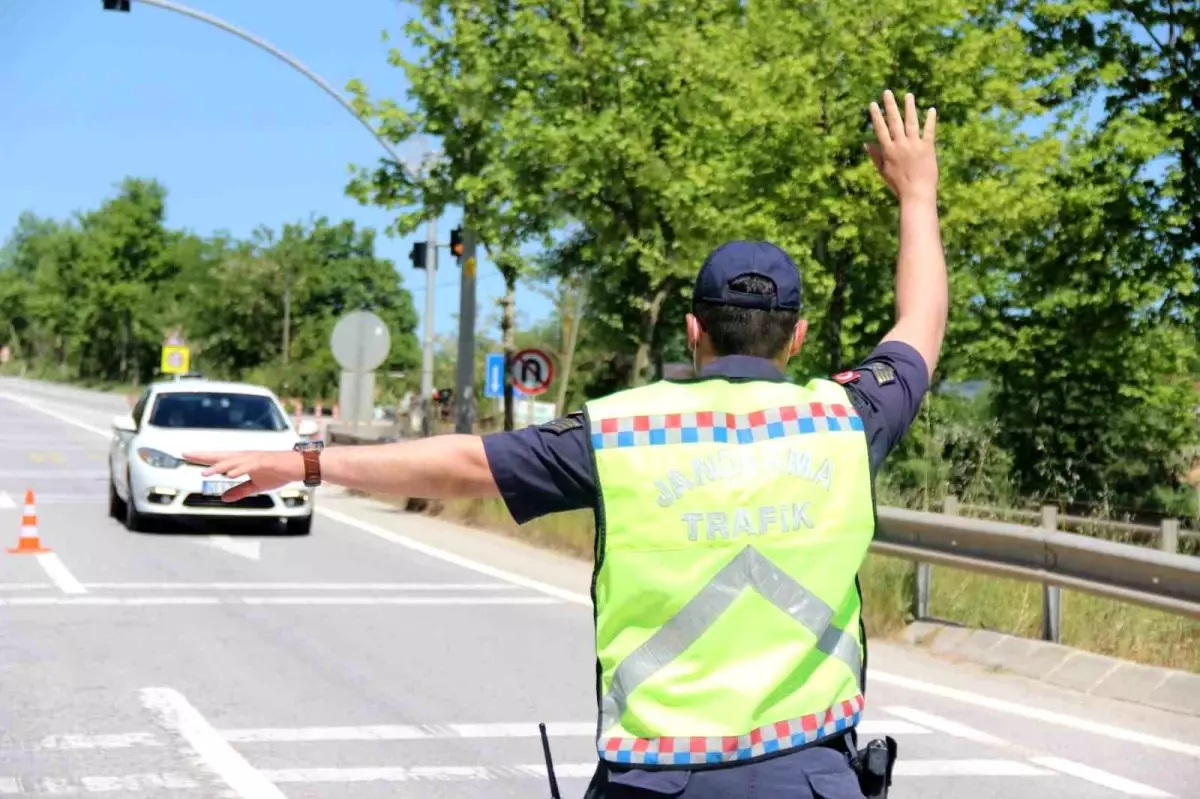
116,506
135,522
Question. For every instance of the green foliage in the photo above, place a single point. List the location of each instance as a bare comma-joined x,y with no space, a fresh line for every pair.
631,138
93,298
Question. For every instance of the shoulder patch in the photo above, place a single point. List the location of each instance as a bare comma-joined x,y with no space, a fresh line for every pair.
844,378
560,426
884,373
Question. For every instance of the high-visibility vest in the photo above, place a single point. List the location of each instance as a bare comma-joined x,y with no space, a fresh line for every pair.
732,521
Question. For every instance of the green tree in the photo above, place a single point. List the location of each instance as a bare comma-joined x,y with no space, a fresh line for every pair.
1094,397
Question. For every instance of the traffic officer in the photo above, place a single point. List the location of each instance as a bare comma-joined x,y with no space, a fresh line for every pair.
733,511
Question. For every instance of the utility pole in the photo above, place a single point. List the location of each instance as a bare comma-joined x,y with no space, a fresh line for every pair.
464,417
430,308
287,311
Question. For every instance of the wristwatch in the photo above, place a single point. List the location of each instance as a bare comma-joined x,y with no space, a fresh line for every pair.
311,452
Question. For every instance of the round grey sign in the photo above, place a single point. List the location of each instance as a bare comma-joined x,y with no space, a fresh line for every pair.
360,341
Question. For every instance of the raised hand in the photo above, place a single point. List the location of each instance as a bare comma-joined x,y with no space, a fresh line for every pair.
903,154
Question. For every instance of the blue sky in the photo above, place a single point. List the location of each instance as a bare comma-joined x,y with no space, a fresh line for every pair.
236,136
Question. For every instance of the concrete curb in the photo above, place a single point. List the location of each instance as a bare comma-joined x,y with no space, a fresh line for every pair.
1098,675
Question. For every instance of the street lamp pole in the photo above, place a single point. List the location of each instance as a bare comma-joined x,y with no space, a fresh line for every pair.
262,44
431,249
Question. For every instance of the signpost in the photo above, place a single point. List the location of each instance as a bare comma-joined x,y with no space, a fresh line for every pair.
532,372
493,386
360,344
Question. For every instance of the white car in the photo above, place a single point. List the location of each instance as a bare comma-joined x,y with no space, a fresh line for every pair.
147,477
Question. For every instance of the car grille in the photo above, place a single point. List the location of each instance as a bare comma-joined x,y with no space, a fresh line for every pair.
259,502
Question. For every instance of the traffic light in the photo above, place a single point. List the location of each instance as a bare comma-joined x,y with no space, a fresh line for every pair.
456,242
116,5
418,255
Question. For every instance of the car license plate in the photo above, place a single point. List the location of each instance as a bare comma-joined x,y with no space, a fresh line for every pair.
215,488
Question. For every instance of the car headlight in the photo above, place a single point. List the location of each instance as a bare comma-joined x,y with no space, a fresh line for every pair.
158,459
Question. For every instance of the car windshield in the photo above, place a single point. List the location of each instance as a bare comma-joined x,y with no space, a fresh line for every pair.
207,410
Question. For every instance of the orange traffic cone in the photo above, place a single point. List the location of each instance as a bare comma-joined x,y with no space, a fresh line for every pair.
29,543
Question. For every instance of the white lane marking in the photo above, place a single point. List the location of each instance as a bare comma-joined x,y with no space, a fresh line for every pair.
178,715
137,782
54,474
71,499
246,548
431,601
397,600
426,732
103,601
54,414
890,727
124,740
392,774
1103,778
25,586
6,502
945,725
911,768
407,732
290,586
967,768
1038,714
450,557
60,574
10,786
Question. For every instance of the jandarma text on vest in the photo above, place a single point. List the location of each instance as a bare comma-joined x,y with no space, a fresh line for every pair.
726,464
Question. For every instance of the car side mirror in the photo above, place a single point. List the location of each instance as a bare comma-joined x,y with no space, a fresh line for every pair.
124,424
308,428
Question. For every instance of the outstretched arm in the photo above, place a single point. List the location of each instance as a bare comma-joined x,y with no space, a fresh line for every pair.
435,468
906,159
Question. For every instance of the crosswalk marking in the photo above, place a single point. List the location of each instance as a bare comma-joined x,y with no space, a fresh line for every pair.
141,601
1098,777
218,748
944,725
414,732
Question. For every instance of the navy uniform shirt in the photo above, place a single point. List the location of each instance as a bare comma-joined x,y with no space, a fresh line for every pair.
547,469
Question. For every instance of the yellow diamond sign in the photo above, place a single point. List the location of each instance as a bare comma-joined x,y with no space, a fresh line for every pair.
175,360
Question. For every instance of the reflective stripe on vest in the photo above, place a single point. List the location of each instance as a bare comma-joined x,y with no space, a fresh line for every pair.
693,669
748,570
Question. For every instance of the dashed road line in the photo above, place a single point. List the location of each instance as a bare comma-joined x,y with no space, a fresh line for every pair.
1098,777
968,768
54,414
945,725
178,715
60,574
125,740
300,586
166,601
426,732
54,474
1037,714
6,502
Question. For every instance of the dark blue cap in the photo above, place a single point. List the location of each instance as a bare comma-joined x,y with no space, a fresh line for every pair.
737,258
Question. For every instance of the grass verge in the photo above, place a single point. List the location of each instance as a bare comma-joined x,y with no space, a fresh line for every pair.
1090,623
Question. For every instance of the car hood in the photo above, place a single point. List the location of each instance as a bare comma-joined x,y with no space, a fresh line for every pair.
177,442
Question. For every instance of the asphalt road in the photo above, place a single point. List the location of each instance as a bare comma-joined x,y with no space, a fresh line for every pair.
390,655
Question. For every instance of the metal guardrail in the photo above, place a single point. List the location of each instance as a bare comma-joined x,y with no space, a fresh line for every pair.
1140,575
1160,532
